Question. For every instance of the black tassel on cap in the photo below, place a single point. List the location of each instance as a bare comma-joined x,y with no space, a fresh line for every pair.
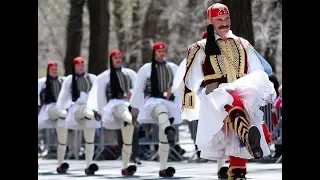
212,47
75,90
48,98
115,85
154,76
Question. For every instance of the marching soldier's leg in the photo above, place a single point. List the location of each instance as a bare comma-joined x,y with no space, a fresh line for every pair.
166,137
237,168
127,136
249,137
83,113
53,112
122,112
62,134
89,134
239,122
222,171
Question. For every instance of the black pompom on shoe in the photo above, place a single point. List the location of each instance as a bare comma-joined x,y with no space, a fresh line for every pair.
63,168
223,173
169,172
91,169
129,171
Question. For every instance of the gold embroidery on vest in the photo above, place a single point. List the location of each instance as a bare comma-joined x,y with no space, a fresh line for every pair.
216,69
86,78
242,58
230,63
188,100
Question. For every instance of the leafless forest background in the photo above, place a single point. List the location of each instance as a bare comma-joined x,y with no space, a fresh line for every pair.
132,25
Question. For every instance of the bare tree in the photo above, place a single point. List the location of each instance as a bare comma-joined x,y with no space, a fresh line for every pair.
119,26
267,21
163,24
178,23
133,61
99,35
149,30
74,34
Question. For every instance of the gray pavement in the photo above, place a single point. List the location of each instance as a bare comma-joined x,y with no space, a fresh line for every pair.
149,170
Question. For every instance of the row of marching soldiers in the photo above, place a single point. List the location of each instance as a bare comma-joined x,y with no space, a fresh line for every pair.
115,99
85,101
230,125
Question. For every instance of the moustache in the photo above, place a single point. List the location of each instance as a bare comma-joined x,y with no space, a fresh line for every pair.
223,27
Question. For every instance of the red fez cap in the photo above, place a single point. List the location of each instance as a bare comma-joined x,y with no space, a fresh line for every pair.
217,10
158,45
51,63
204,34
114,52
78,60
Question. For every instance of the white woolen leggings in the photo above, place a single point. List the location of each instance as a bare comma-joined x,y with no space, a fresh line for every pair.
161,113
62,134
122,112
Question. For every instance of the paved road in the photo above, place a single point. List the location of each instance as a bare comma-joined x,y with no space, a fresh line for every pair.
149,170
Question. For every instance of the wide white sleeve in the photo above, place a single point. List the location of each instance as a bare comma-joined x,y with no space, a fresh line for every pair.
65,97
63,77
97,96
193,76
41,85
92,77
137,97
253,62
133,78
178,78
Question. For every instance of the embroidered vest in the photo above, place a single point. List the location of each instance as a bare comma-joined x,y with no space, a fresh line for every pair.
227,67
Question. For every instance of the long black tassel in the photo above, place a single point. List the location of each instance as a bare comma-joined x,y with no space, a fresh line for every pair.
212,47
48,98
75,91
154,77
115,85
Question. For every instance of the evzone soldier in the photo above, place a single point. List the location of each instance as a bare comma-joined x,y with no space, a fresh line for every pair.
193,114
153,100
71,104
109,97
48,91
236,86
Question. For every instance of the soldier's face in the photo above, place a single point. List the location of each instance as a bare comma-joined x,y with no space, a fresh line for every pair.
53,71
160,54
79,68
221,24
117,61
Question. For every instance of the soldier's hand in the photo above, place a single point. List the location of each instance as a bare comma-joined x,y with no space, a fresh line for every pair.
134,120
168,94
128,95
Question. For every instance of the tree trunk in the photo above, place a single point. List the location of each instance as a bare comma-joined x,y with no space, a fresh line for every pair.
163,24
74,34
99,35
241,18
186,31
267,25
134,62
149,32
120,31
